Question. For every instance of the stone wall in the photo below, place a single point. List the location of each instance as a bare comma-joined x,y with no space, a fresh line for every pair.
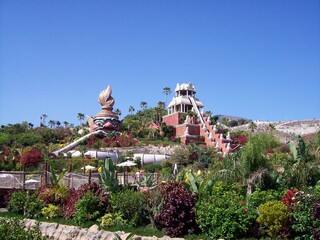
55,231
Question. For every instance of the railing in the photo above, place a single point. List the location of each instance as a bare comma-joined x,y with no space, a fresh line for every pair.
22,180
195,107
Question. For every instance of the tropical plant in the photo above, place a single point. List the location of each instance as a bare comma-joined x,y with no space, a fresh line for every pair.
109,182
302,170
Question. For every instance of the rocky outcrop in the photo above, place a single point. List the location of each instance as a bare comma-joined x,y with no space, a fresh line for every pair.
55,231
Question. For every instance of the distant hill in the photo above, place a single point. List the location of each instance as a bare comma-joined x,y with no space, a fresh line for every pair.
284,131
231,117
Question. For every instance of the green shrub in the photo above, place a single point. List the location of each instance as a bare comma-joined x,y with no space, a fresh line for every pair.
88,208
26,204
224,214
131,204
112,219
259,197
273,216
153,167
51,211
17,202
13,229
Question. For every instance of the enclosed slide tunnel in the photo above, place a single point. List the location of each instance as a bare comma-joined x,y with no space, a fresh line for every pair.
146,158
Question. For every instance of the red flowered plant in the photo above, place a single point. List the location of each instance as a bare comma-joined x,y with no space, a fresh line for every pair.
288,198
31,157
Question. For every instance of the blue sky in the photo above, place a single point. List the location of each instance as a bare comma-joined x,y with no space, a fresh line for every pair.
250,58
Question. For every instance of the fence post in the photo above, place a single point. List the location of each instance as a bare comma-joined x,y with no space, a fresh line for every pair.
24,179
89,177
46,173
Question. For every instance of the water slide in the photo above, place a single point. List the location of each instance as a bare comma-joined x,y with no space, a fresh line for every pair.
146,158
75,143
195,107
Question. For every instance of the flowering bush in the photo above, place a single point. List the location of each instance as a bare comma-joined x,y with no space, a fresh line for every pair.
315,214
300,214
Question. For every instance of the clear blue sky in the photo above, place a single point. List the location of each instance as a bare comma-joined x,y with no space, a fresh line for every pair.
258,59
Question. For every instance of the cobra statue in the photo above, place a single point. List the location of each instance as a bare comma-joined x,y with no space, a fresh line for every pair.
104,122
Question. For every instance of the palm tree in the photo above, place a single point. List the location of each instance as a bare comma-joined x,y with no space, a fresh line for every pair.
51,123
131,109
43,119
80,118
161,105
58,123
118,112
208,113
143,105
166,91
65,124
